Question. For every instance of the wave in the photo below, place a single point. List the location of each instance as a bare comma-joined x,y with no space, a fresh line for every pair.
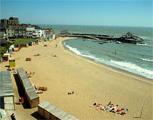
75,50
131,67
134,68
82,53
146,37
143,44
148,60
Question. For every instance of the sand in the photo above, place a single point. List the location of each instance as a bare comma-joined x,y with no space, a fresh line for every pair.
62,72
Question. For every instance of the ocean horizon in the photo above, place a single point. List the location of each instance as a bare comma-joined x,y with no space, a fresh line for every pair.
53,25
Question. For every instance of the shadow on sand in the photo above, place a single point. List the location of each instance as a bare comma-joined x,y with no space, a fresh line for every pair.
37,116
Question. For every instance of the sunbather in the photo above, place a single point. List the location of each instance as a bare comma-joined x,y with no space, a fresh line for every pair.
99,106
123,112
115,108
110,107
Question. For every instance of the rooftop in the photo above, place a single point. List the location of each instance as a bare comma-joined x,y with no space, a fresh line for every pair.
27,84
6,88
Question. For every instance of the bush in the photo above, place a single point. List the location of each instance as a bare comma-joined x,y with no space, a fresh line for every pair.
3,49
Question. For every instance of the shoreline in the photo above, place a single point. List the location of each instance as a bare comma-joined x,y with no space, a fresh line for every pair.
118,70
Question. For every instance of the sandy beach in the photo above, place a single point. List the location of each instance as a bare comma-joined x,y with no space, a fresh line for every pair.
61,72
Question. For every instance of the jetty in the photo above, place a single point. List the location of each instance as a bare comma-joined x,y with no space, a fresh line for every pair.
127,38
130,38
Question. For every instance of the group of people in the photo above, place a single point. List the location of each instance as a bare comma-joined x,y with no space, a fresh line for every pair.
111,108
30,74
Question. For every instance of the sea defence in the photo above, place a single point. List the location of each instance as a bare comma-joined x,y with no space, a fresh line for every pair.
31,99
127,38
51,112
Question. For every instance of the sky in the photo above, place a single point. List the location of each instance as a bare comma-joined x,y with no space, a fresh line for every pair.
80,12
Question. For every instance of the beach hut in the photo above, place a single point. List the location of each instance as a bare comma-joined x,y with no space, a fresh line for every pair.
12,62
51,112
6,91
6,57
28,90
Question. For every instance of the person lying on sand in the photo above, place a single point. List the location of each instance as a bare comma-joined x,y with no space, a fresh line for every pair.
99,106
115,108
123,111
37,54
69,93
118,110
109,108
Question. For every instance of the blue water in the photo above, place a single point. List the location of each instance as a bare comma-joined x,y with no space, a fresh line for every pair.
137,59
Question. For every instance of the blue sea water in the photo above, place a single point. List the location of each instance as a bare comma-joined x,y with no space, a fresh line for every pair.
137,59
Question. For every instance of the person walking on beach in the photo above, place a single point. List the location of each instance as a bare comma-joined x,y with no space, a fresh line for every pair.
13,116
56,46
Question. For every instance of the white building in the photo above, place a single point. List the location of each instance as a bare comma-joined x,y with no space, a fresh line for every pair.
38,33
10,32
30,31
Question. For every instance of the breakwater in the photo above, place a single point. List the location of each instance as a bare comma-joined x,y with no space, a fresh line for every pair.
127,38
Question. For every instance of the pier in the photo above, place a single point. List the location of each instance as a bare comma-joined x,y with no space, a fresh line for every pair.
127,38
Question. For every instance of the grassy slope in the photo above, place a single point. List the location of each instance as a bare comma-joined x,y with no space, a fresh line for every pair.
18,41
21,41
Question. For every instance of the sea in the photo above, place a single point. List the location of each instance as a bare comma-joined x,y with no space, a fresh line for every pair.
134,58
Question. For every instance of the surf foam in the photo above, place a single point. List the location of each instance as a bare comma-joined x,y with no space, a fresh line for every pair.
118,64
148,60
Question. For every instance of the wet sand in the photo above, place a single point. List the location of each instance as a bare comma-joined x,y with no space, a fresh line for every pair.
62,72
